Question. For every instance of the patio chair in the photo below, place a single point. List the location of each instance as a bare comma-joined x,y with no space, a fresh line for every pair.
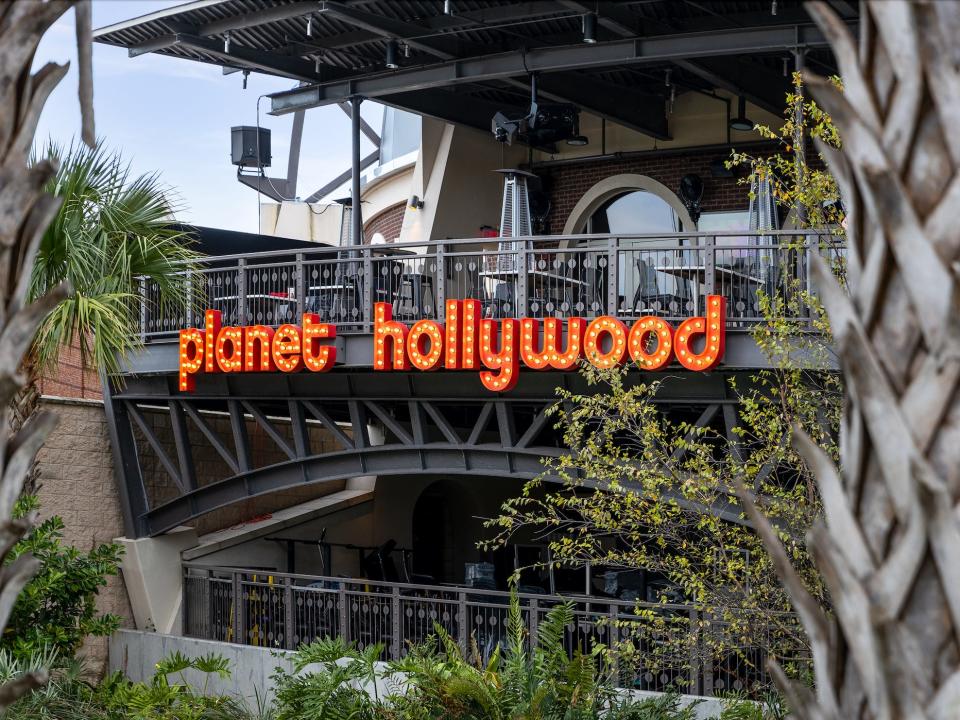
652,299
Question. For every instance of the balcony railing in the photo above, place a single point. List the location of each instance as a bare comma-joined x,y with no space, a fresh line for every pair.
549,276
673,645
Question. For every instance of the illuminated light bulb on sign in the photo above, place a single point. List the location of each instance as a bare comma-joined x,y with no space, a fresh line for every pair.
229,349
470,333
451,342
712,329
550,355
191,357
257,343
317,357
286,348
387,330
508,357
425,345
640,334
211,329
593,343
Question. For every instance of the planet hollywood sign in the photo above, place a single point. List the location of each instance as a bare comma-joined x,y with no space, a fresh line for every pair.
464,341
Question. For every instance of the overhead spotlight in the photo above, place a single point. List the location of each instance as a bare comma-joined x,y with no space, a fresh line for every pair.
309,25
391,58
590,28
246,75
447,7
226,42
773,7
415,203
578,140
406,50
741,122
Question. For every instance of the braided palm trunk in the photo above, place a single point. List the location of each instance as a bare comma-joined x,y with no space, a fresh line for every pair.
889,548
25,212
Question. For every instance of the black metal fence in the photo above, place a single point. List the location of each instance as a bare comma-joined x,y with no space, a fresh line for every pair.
550,276
672,646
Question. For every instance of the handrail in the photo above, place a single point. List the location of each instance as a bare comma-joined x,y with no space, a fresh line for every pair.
535,239
665,274
283,610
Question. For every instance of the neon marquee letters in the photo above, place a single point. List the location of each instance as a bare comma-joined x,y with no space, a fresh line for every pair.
463,342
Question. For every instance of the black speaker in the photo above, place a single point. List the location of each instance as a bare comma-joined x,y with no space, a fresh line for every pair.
245,150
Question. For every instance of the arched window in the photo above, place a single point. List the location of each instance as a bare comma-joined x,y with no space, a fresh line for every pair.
634,211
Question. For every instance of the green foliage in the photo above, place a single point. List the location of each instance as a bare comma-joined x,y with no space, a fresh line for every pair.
66,696
110,230
809,189
169,696
327,682
660,495
57,608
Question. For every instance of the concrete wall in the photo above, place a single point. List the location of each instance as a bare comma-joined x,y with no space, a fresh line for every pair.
77,483
136,654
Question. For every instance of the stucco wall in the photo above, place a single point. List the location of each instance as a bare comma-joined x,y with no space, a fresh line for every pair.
77,483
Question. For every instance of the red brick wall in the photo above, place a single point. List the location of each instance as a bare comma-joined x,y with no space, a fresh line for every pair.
387,223
568,183
70,379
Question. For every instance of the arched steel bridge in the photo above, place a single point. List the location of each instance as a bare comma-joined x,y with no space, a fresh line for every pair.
268,434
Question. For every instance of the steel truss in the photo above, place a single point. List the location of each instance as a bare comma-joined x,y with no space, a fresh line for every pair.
478,435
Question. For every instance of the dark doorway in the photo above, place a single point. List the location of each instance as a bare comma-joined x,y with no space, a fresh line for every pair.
433,536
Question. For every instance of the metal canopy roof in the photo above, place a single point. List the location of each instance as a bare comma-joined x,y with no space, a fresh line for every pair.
464,66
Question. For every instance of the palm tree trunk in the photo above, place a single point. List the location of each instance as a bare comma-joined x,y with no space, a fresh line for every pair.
889,549
25,212
26,402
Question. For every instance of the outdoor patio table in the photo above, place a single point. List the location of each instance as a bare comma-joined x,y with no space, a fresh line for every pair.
724,278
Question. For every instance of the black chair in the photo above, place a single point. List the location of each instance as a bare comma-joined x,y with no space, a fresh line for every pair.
652,299
502,304
414,298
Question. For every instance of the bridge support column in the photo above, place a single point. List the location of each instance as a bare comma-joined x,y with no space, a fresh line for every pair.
154,579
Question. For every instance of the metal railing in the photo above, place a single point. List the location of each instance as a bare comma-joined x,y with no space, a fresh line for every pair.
548,276
670,644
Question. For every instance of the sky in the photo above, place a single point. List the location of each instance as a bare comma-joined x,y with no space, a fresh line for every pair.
173,117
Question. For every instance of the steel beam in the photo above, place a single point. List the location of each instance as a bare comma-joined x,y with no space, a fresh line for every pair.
632,51
271,63
126,466
155,445
365,128
749,83
343,177
443,46
643,112
382,461
449,106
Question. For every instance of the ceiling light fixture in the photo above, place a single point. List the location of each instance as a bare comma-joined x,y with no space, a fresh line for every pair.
226,42
590,28
741,122
578,140
391,58
447,7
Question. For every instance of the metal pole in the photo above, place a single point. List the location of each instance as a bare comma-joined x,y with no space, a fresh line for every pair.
356,222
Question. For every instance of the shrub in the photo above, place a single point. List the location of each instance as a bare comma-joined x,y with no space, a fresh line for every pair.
57,608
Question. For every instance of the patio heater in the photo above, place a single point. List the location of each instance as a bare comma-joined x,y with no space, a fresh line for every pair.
763,208
515,217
